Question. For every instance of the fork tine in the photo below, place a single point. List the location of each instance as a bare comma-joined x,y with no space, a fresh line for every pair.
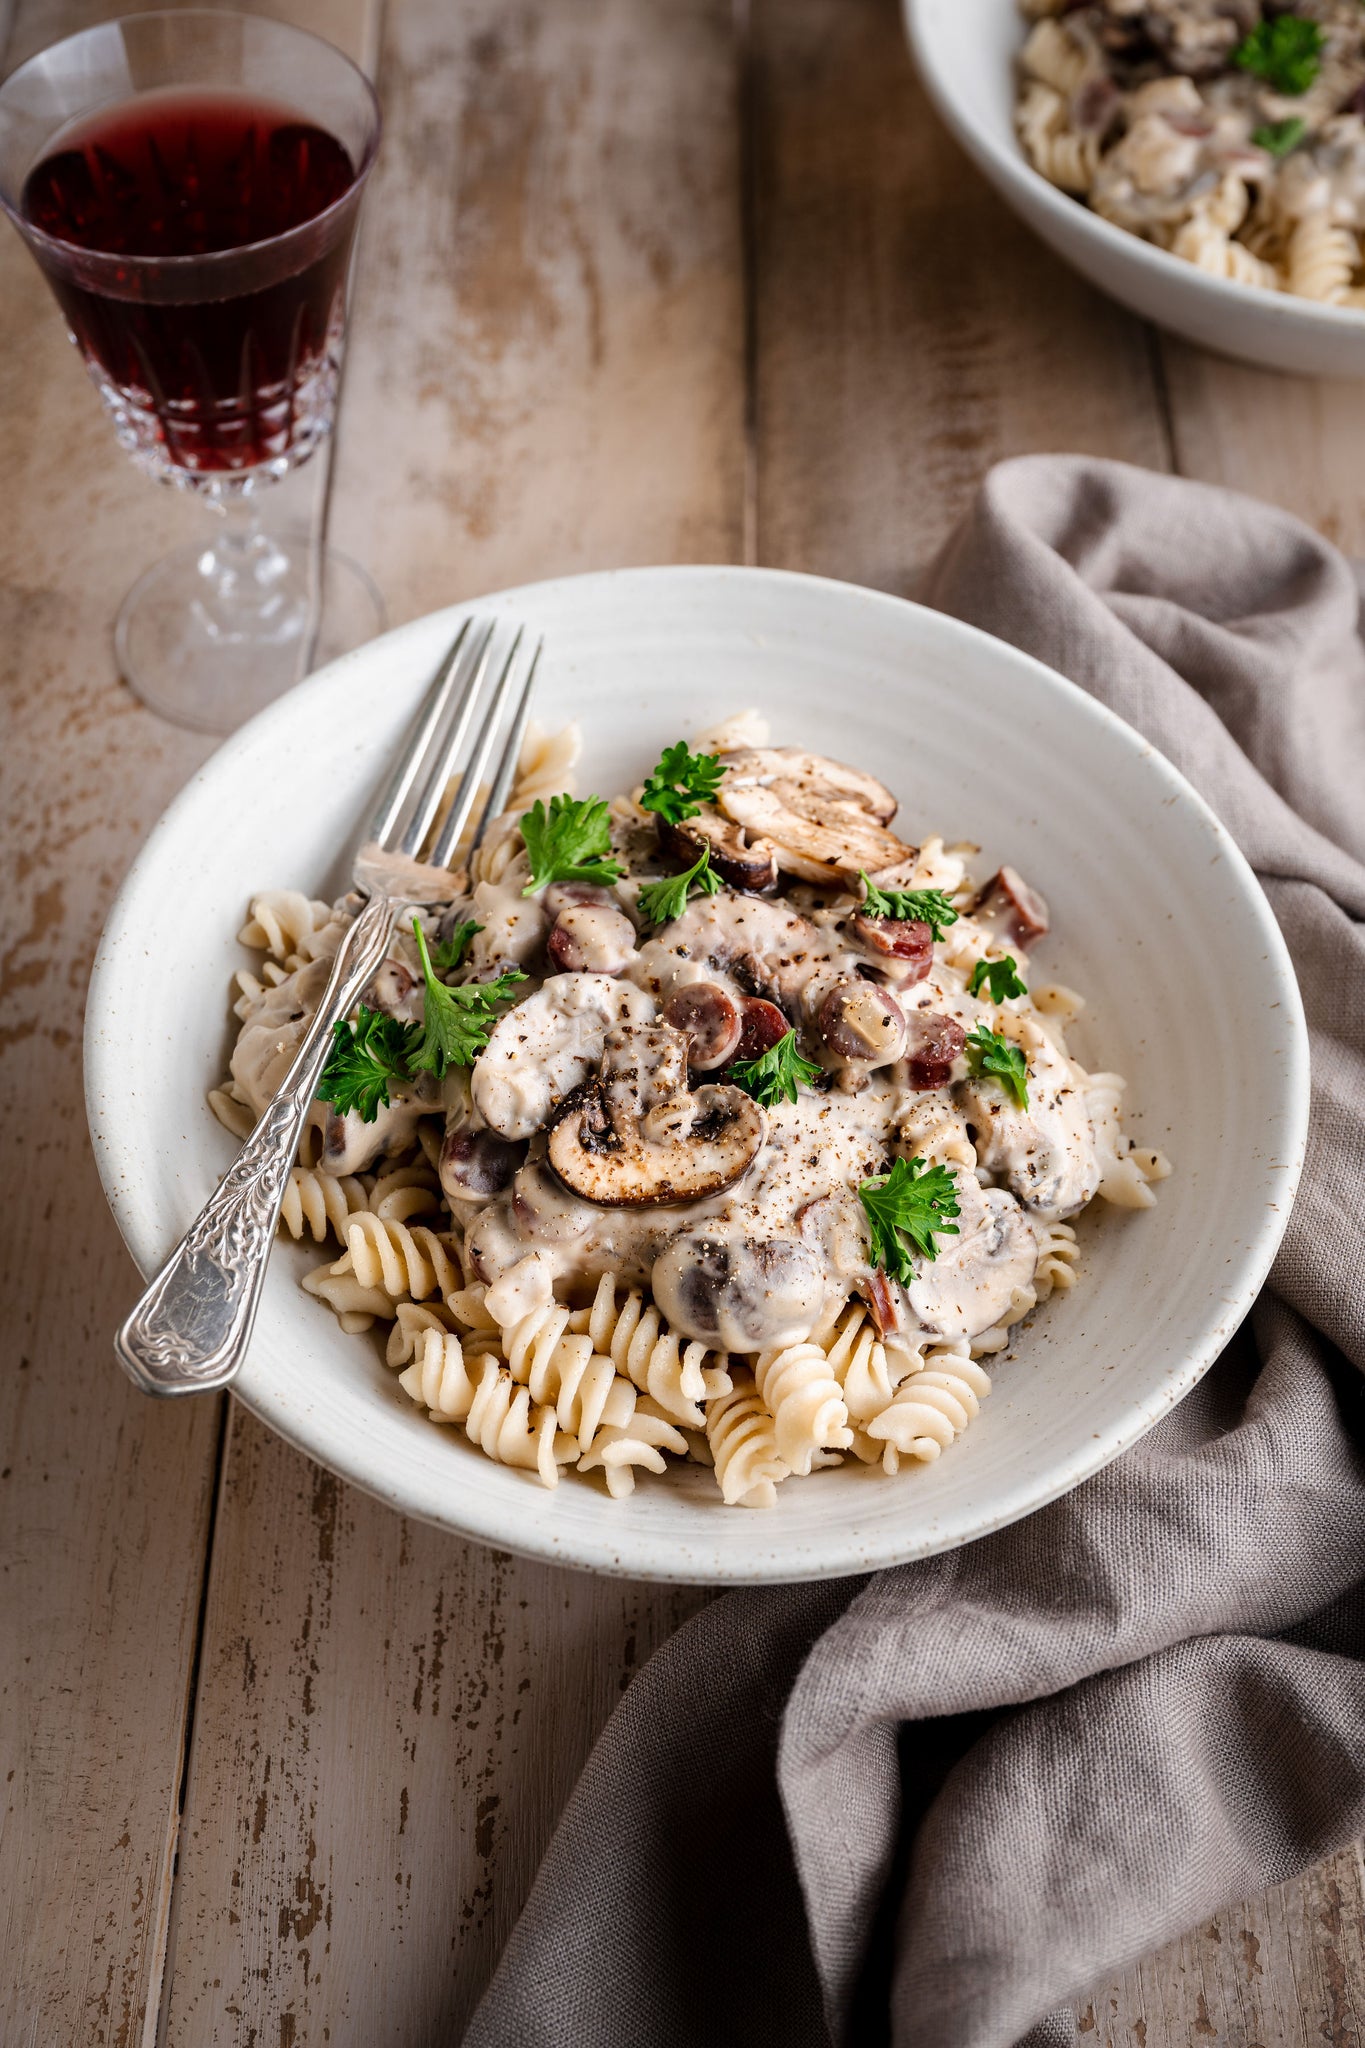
467,795
445,755
408,766
511,754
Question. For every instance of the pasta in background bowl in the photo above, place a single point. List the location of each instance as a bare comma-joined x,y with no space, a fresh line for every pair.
1155,916
968,53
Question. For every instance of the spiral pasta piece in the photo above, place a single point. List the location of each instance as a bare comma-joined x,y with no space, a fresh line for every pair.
929,1409
860,1363
404,1192
1125,1169
320,1202
642,1348
1055,56
438,1377
286,924
1322,258
505,1426
564,1371
639,1442
1058,1253
237,1117
414,1262
411,1322
355,1306
743,1443
806,1402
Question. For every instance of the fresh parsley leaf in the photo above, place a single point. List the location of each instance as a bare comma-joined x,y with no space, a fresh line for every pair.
914,1201
365,1058
456,1021
1001,976
925,906
662,901
777,1072
988,1052
1285,51
447,954
680,778
1279,137
571,842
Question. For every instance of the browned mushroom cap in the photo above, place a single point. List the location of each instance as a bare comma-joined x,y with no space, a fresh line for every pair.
826,821
742,862
636,1137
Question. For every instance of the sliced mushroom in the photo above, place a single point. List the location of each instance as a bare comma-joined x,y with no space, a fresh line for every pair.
903,943
546,1212
859,1021
974,1281
477,1164
739,1294
351,1146
394,990
1046,1153
591,938
637,1138
827,821
1008,901
744,862
709,1018
762,1026
547,1046
932,1043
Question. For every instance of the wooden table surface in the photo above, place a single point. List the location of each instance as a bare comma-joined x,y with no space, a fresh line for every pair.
639,281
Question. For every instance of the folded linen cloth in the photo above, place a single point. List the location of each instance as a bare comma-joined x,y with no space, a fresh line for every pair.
932,1806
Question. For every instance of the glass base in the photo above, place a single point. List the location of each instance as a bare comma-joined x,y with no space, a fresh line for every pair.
213,633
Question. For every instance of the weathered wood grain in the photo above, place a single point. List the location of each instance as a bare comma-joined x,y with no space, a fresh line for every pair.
907,333
546,373
104,1499
1286,1970
1293,440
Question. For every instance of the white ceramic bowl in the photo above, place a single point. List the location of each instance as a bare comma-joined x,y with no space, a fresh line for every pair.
965,50
1156,917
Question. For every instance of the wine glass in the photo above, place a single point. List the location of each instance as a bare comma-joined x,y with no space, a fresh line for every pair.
189,183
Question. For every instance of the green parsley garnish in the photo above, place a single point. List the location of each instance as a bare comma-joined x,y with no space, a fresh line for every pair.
681,783
1002,977
571,842
1279,137
1285,51
777,1072
457,1021
365,1057
447,954
922,906
913,1199
662,901
988,1052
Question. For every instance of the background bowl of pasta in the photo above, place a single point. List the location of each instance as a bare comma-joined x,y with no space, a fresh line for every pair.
1154,914
968,52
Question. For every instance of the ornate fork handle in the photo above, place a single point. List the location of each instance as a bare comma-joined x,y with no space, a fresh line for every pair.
190,1330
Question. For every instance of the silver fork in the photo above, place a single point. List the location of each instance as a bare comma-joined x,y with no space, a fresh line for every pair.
190,1331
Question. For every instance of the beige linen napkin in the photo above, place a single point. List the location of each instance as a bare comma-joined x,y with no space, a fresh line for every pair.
931,1806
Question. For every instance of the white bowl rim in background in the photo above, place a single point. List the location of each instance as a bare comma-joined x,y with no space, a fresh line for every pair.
158,1148
1273,329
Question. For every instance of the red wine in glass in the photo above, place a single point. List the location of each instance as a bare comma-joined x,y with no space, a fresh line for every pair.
202,385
